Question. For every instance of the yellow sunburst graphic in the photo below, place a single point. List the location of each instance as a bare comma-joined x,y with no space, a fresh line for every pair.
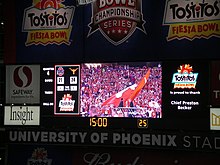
48,3
185,69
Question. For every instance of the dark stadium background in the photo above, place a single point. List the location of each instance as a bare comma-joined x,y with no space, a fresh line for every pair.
139,47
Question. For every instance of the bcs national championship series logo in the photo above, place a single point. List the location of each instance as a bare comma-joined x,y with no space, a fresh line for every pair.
192,19
48,22
116,19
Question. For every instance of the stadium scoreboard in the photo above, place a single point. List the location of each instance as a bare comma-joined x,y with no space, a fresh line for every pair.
126,95
66,89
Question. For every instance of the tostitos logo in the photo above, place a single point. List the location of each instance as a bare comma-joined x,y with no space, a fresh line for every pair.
116,19
22,76
191,19
48,22
39,157
185,78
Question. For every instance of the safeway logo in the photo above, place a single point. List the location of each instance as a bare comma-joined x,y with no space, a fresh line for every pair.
22,76
117,19
22,84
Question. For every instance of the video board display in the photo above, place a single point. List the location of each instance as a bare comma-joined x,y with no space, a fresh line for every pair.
126,94
106,89
185,88
122,90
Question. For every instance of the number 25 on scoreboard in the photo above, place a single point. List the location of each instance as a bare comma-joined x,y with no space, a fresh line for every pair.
142,123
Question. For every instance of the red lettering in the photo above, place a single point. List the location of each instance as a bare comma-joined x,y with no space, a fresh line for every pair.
193,28
181,28
199,28
205,27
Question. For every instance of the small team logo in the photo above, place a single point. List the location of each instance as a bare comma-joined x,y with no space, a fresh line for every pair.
60,71
116,19
73,70
185,78
39,156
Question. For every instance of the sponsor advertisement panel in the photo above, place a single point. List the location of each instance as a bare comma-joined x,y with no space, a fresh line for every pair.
116,156
22,84
119,30
190,29
39,155
215,118
22,115
186,141
192,19
48,30
185,89
48,22
215,83
57,154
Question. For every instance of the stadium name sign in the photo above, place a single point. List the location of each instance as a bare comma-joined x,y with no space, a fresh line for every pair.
146,140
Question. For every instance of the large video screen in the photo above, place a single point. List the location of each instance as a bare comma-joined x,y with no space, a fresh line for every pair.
127,94
130,90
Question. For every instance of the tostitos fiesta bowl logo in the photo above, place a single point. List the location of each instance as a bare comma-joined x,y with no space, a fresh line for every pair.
39,157
191,19
48,22
116,19
185,78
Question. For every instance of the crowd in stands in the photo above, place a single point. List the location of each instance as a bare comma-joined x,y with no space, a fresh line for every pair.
100,82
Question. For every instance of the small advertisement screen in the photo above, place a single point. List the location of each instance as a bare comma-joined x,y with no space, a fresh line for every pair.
130,90
66,89
22,84
215,83
185,88
214,118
